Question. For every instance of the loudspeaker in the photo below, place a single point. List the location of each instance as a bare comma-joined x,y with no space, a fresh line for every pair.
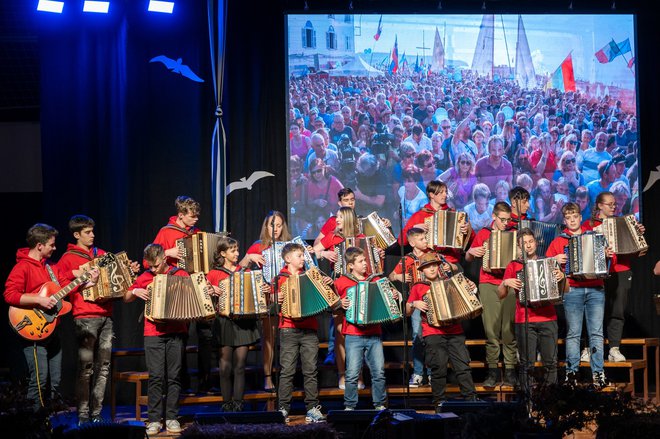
240,418
461,407
105,430
388,423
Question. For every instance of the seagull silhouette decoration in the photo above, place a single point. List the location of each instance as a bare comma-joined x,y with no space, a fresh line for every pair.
177,67
653,177
246,183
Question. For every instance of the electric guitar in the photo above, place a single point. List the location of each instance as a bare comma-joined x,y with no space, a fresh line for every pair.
37,324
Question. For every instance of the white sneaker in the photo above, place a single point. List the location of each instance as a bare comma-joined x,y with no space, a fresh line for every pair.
616,355
153,428
314,415
380,408
285,413
585,357
173,426
415,380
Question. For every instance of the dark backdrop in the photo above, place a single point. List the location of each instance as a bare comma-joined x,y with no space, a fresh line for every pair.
122,137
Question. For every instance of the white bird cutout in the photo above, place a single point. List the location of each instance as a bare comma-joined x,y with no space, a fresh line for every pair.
246,183
653,177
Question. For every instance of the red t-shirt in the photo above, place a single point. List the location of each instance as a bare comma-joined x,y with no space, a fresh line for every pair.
153,329
557,247
494,277
28,275
285,322
417,293
541,314
623,262
329,226
342,284
550,163
71,260
168,235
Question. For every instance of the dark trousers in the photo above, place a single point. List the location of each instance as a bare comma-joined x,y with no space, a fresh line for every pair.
617,287
204,352
294,343
163,356
440,349
541,336
94,337
44,360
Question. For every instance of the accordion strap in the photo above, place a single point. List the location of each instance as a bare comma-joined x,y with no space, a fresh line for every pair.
81,254
177,228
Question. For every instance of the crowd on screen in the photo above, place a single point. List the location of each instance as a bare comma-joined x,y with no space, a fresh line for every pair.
387,137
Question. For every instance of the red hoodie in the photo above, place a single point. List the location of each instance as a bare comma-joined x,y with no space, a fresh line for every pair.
27,276
168,235
71,260
152,329
453,255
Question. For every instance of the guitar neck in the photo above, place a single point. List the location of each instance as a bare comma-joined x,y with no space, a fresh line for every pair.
66,290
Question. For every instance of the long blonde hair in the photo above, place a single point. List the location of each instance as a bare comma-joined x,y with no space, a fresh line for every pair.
350,226
266,229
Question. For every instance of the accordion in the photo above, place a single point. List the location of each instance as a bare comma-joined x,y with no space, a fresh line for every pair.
501,248
452,300
415,274
182,298
372,303
115,277
305,295
368,244
544,233
241,295
622,235
272,268
372,225
540,287
198,251
586,256
444,229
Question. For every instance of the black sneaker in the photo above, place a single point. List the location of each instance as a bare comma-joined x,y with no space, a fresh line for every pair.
510,378
97,419
228,407
82,420
438,407
492,378
571,379
600,380
238,406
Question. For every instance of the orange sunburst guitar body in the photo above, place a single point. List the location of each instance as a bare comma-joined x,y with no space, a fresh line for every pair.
36,323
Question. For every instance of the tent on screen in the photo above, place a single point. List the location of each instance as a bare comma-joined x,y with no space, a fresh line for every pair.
357,67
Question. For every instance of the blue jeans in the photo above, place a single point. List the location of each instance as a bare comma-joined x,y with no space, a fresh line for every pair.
371,348
417,343
588,303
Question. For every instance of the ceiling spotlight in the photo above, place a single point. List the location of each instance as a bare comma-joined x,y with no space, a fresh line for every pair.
483,6
161,6
94,6
440,5
350,6
613,5
570,6
306,6
50,6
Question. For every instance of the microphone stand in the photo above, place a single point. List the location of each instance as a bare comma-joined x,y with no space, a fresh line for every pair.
527,390
269,318
404,300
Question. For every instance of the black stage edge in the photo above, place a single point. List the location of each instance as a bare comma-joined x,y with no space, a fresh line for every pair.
390,424
239,418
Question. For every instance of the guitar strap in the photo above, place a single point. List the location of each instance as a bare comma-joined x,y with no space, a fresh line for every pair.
81,254
52,275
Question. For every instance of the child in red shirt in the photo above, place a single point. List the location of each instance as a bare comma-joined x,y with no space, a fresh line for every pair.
443,344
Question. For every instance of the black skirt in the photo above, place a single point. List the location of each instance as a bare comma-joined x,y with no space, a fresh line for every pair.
239,332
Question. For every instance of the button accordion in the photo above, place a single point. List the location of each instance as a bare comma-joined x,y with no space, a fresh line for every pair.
585,256
242,296
370,248
452,300
305,295
540,288
544,233
273,266
373,303
372,225
115,278
198,251
443,229
501,248
622,235
182,298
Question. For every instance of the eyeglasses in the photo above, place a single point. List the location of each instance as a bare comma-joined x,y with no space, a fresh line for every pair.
569,161
445,127
429,165
408,156
610,205
504,220
317,171
464,162
573,142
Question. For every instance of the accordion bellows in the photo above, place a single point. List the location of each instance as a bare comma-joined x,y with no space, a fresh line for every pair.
274,261
452,300
115,278
368,245
444,229
241,295
305,295
501,248
544,233
372,225
372,303
198,251
622,235
540,287
586,256
181,298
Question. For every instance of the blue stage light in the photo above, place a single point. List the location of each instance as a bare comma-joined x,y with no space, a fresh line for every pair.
50,6
95,6
160,6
